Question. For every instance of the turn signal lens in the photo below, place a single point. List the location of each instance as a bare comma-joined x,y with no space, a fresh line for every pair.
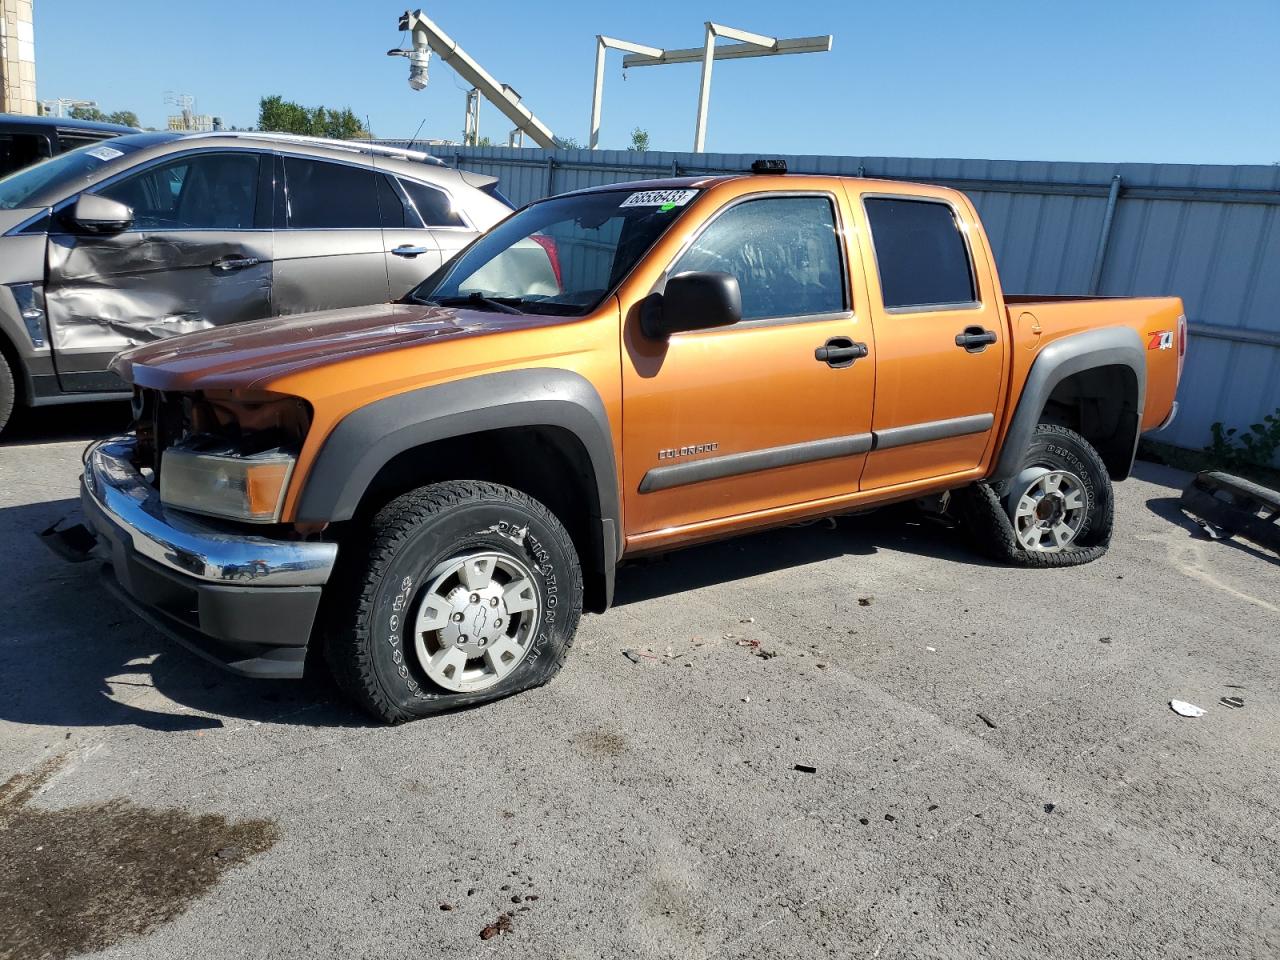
248,488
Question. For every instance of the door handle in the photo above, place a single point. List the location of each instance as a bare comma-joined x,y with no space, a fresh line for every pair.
229,263
840,352
408,251
975,339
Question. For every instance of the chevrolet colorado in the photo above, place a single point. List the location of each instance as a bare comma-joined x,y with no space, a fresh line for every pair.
430,492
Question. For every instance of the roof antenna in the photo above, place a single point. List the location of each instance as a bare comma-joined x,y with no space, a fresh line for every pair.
416,132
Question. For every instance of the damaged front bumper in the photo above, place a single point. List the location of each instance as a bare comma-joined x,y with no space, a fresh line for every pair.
244,601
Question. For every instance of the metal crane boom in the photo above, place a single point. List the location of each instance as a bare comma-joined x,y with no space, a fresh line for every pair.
428,36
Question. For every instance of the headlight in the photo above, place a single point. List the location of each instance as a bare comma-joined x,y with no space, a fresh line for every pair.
248,488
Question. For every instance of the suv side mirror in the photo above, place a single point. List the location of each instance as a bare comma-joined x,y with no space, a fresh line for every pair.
692,301
96,214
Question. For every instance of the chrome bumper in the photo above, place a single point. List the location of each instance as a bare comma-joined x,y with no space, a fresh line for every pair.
204,549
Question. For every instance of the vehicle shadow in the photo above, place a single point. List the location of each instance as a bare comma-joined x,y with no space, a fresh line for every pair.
75,421
72,656
1170,509
902,529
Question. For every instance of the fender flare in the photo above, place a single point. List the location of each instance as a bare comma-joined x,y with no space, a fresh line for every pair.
1107,347
367,439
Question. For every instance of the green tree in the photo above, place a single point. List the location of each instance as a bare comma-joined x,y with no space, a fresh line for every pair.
568,143
279,115
125,118
639,140
88,113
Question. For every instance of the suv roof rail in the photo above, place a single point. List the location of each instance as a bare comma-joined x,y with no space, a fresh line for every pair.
351,146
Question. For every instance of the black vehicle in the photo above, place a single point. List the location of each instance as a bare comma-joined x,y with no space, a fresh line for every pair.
28,140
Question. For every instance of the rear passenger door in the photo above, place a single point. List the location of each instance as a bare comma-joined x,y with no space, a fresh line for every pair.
940,339
412,216
329,249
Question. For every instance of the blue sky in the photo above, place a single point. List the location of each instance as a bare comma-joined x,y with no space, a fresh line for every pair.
1114,80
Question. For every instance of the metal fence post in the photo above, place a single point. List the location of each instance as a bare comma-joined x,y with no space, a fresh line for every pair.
551,177
1104,238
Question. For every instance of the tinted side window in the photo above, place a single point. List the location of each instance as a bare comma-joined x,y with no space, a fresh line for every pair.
784,251
390,204
208,192
330,195
69,141
18,150
434,206
921,253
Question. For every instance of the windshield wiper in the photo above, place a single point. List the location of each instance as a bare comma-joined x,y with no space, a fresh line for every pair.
501,304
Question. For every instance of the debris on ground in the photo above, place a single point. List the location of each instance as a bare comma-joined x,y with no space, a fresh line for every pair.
890,817
502,925
756,650
932,807
1184,709
865,601
1227,506
931,649
864,821
805,768
747,620
1049,807
446,907
1234,702
987,720
635,656
746,699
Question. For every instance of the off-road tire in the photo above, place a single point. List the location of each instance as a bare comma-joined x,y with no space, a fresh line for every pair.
991,531
8,391
368,640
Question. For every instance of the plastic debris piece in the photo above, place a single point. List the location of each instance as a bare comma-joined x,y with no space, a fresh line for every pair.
865,601
805,768
987,720
1233,702
631,655
747,620
1184,709
746,699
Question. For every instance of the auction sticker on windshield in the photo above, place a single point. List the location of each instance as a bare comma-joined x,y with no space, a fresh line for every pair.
659,198
105,153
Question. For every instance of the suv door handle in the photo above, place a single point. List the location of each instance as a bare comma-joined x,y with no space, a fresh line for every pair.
409,251
975,339
228,263
840,352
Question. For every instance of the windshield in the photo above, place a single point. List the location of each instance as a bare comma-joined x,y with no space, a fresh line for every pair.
52,179
560,256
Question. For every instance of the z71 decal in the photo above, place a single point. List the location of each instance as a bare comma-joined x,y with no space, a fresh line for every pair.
1161,340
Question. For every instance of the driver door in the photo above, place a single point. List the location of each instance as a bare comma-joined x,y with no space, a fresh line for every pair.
746,419
198,254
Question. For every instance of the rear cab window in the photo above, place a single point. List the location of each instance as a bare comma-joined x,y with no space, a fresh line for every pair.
922,254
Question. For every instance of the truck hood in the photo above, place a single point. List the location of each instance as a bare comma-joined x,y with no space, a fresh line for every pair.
248,354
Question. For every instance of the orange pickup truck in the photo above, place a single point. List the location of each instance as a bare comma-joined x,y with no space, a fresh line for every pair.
430,492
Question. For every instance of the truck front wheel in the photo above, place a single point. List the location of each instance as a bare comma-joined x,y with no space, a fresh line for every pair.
460,593
1058,511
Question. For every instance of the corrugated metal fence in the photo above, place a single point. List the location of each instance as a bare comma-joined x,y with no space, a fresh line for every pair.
1210,234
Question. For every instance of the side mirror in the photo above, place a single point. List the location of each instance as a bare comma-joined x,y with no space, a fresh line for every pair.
96,214
692,301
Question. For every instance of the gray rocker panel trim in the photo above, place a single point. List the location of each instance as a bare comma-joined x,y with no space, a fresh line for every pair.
367,439
1108,347
735,464
892,437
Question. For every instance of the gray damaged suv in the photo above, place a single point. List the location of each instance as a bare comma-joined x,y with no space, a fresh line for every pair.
154,235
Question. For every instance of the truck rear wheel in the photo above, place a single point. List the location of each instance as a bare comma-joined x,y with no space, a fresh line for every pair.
1057,512
461,593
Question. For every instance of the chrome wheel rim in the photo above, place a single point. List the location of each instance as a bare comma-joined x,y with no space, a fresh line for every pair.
476,620
1050,510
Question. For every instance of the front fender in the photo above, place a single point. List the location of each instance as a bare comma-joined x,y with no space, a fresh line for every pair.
367,439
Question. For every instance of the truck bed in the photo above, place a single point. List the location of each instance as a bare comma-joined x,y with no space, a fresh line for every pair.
1036,321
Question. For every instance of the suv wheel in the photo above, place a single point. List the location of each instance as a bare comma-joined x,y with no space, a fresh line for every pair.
8,391
463,592
1057,512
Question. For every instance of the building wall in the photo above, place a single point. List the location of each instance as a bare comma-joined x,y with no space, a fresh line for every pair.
18,63
1209,234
